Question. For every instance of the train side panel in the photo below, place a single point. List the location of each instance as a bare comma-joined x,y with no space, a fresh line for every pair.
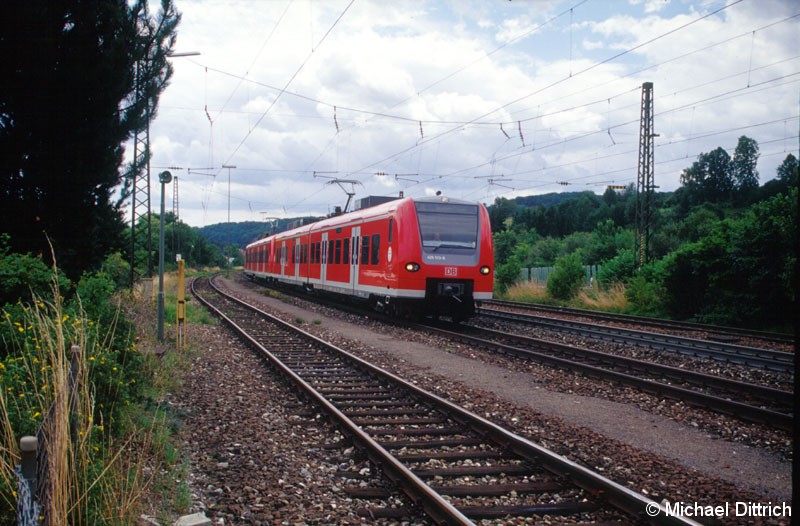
428,256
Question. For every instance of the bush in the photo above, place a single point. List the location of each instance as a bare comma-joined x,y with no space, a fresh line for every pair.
507,274
567,278
618,269
645,297
23,275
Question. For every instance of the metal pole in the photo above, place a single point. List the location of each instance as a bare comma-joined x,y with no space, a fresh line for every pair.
165,178
228,166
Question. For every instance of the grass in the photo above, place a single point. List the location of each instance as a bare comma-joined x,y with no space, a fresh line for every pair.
610,300
94,476
528,292
594,298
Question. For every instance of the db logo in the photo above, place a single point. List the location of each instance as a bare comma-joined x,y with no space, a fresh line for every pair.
450,271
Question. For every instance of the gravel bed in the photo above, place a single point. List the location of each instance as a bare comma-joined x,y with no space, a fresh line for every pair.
737,339
258,457
738,372
257,454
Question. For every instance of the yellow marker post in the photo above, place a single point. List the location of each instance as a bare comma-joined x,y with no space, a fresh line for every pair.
181,310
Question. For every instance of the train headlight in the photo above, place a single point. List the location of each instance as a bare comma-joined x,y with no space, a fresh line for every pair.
412,267
485,270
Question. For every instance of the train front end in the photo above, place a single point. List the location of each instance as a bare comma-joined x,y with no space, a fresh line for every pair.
455,253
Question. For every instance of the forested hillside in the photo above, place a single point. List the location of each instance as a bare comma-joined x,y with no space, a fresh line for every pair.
244,233
723,248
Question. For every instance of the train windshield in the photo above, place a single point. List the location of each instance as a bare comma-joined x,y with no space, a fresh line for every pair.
448,225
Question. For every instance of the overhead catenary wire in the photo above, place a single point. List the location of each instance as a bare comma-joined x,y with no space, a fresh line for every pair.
426,131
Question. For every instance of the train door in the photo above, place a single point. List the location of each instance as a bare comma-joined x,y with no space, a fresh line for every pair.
297,257
282,264
355,235
323,267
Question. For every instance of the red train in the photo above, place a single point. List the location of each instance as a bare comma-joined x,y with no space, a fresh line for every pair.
411,256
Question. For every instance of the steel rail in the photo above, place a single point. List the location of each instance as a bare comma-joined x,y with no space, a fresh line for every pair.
439,508
721,330
738,354
433,503
544,355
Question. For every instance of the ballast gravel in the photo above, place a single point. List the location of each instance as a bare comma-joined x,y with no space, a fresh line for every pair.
259,455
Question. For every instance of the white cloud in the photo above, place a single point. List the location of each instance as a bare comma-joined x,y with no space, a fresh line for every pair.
461,68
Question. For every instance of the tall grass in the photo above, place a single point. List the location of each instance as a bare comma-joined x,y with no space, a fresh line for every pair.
43,386
612,299
94,475
528,292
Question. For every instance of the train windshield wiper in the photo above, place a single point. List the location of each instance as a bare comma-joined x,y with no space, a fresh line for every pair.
450,245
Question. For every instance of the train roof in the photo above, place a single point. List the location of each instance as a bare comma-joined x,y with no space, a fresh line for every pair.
362,213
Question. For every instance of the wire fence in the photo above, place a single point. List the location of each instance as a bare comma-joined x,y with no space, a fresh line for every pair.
542,274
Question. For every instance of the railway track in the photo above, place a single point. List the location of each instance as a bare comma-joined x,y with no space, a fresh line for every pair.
455,465
754,403
767,359
714,331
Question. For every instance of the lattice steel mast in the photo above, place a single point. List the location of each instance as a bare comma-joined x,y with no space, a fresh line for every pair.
645,184
141,245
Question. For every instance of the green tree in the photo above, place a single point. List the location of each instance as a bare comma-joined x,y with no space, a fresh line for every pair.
709,178
618,269
606,241
567,277
743,272
787,171
743,164
68,103
501,210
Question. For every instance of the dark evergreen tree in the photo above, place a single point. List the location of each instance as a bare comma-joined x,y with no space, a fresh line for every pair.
787,171
68,102
743,164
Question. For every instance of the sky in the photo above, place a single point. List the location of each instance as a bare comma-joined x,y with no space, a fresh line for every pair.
309,101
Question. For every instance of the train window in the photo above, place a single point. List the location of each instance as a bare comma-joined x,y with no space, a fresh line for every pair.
355,250
365,250
330,251
448,225
376,249
346,251
338,254
391,224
